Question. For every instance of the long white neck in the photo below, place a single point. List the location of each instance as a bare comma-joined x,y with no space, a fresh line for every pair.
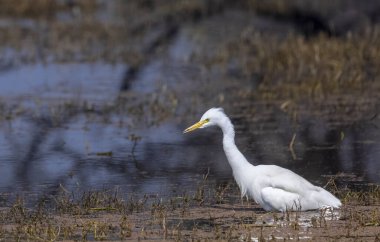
236,159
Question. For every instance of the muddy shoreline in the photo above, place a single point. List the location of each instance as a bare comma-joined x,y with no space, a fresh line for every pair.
210,213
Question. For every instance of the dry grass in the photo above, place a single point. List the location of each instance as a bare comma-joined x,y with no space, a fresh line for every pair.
299,69
104,215
41,8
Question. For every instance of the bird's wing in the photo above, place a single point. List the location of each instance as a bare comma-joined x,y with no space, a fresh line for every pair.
282,189
281,178
279,199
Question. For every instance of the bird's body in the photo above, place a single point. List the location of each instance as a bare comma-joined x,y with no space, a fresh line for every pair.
271,186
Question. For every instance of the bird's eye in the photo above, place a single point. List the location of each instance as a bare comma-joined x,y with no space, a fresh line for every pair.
207,120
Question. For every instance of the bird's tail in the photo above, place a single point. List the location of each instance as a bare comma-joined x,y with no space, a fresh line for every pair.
325,198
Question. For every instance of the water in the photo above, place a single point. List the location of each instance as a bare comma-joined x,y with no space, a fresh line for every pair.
54,81
38,157
71,125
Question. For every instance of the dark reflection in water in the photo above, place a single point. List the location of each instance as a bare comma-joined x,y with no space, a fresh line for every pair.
46,147
37,156
39,153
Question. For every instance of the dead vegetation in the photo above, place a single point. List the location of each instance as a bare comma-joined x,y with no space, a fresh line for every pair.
313,69
107,215
42,8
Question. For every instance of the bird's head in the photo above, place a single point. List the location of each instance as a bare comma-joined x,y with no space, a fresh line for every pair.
211,117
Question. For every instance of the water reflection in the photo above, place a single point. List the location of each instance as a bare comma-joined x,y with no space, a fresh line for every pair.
37,156
39,152
81,81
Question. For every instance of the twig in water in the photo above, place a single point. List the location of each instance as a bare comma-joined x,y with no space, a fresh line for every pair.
291,145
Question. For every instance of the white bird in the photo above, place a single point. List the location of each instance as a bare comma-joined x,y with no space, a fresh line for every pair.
273,187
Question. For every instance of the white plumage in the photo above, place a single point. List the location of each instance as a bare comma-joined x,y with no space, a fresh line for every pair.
271,186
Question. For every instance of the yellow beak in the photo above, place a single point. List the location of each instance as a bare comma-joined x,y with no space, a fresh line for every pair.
196,126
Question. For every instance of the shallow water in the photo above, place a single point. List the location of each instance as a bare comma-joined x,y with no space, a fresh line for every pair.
46,144
94,150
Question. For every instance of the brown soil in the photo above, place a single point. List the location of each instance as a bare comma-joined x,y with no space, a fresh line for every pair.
215,222
210,214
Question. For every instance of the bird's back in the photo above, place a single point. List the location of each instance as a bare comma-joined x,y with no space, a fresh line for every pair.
278,188
280,177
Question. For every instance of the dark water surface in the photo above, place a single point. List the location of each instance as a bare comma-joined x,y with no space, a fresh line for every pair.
90,150
86,126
